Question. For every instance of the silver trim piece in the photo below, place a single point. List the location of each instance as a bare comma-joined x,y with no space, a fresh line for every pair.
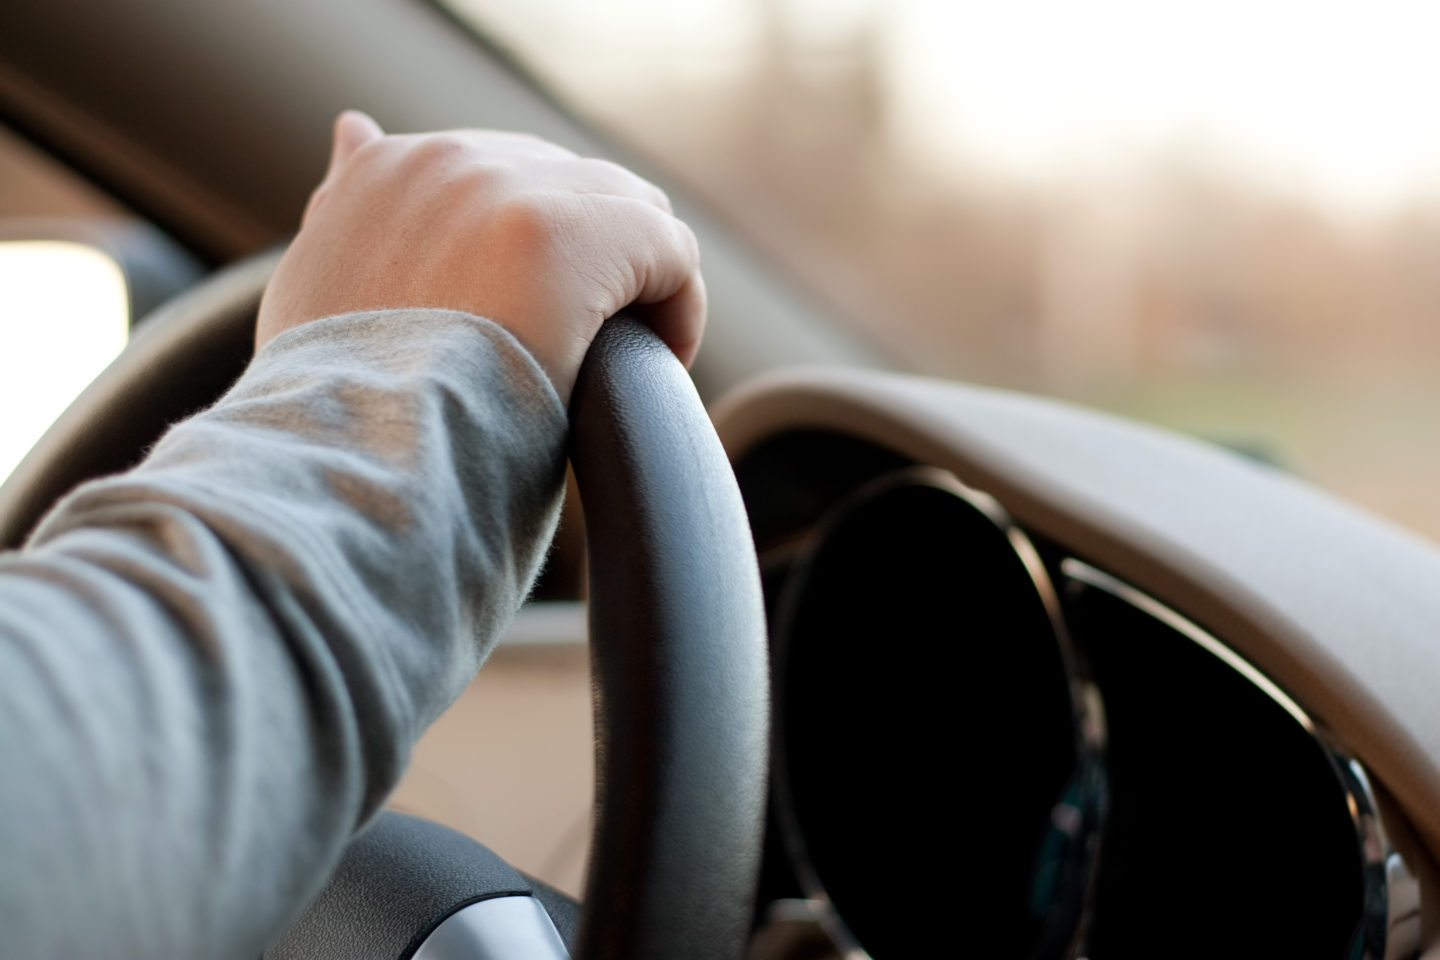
502,928
1083,572
1390,889
1086,703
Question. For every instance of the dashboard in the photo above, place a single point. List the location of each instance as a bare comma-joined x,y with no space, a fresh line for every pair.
987,739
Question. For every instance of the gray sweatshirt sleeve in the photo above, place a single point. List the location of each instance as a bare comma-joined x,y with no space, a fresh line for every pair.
212,667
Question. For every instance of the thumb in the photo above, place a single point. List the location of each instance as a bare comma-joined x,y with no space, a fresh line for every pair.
353,130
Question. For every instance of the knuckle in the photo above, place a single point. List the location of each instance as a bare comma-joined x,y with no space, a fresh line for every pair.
606,168
689,244
625,178
669,234
544,146
652,221
529,224
372,152
438,149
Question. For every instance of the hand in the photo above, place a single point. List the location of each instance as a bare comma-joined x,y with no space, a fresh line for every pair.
507,226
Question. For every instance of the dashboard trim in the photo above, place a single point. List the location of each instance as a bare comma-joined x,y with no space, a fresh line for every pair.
1390,889
1336,606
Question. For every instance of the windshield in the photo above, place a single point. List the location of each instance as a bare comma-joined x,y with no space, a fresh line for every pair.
1221,217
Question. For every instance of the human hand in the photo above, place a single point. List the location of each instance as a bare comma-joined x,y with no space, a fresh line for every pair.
507,226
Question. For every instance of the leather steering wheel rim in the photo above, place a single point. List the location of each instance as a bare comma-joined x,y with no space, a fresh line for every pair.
676,613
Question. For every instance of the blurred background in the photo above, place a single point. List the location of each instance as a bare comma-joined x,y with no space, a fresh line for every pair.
1222,217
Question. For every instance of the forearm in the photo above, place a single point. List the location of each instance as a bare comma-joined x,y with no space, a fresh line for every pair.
212,667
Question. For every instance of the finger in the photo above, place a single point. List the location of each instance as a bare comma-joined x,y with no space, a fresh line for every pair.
518,144
497,144
679,319
599,177
671,298
625,182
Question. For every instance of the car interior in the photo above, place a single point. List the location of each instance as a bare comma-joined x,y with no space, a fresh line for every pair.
830,659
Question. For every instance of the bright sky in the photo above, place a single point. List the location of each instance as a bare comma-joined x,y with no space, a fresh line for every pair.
1333,100
62,320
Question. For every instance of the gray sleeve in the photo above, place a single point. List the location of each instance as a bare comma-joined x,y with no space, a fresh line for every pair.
212,667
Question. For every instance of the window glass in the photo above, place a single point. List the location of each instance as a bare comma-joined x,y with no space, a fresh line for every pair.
1222,217
64,312
64,318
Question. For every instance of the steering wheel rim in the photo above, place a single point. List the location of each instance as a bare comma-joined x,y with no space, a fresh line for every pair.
676,612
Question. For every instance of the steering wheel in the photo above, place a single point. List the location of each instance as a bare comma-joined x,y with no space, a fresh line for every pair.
677,631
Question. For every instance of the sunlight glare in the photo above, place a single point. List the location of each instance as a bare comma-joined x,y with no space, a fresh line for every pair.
63,318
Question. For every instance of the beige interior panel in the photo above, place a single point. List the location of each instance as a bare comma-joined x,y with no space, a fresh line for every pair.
511,763
1340,608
